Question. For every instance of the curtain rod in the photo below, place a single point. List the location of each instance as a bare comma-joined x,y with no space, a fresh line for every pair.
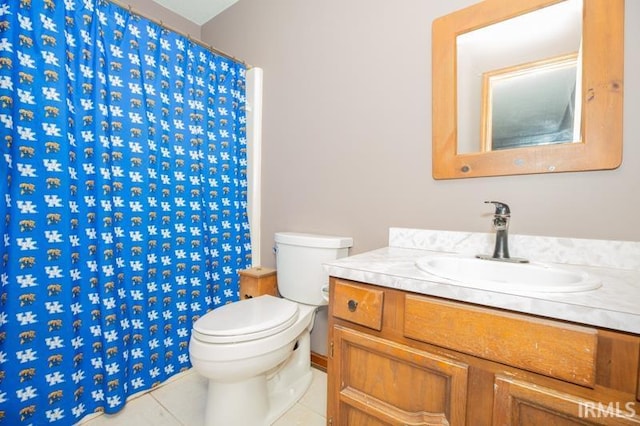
170,28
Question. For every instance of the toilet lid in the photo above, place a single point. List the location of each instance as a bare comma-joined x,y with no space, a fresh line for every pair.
250,319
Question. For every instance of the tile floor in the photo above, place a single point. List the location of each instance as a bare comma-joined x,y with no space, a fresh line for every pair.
180,402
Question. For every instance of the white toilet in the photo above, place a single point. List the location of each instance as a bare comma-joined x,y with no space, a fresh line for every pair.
256,352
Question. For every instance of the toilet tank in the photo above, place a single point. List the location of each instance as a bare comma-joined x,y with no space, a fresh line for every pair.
299,259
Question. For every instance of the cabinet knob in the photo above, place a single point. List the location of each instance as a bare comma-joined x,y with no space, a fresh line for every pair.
352,305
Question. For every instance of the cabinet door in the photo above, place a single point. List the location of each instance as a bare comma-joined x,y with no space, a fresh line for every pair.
526,404
379,382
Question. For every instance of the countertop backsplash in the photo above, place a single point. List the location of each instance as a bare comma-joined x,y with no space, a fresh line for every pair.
573,251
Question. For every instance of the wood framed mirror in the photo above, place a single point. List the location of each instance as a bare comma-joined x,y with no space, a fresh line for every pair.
459,121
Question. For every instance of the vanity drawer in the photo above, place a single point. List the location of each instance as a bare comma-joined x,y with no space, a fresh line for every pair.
552,348
358,304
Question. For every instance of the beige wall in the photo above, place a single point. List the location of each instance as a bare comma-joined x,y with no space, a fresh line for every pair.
347,129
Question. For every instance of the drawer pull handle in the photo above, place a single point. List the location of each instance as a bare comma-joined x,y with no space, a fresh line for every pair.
352,305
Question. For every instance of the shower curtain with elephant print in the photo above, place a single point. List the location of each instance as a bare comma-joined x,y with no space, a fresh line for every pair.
122,206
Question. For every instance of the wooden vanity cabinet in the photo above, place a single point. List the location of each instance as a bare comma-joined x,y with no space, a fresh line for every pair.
399,358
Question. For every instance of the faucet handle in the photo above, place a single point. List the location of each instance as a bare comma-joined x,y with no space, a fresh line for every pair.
502,209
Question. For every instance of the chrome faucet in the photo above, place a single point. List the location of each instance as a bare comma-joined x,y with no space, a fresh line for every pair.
501,225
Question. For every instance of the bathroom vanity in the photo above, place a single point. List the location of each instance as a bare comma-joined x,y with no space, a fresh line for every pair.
409,348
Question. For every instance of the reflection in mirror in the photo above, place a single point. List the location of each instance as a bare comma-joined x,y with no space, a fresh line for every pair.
531,104
534,37
464,55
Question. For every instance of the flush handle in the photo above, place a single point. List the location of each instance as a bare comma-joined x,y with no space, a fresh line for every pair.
352,305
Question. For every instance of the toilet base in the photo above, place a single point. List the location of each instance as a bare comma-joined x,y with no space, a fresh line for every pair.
261,400
281,401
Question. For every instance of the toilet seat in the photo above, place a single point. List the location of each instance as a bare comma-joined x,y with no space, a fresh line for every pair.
250,319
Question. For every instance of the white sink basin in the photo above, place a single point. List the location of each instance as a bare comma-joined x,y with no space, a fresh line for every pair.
507,277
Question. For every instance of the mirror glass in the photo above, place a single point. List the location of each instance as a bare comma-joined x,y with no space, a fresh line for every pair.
527,86
517,79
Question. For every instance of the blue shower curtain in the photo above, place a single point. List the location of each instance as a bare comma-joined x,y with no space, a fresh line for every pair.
122,204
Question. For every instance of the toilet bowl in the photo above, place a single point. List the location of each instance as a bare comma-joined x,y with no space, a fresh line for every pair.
256,357
256,352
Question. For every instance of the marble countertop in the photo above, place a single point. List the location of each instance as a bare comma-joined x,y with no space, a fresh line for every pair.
615,305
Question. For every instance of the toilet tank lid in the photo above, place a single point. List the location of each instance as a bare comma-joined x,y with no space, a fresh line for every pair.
312,240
